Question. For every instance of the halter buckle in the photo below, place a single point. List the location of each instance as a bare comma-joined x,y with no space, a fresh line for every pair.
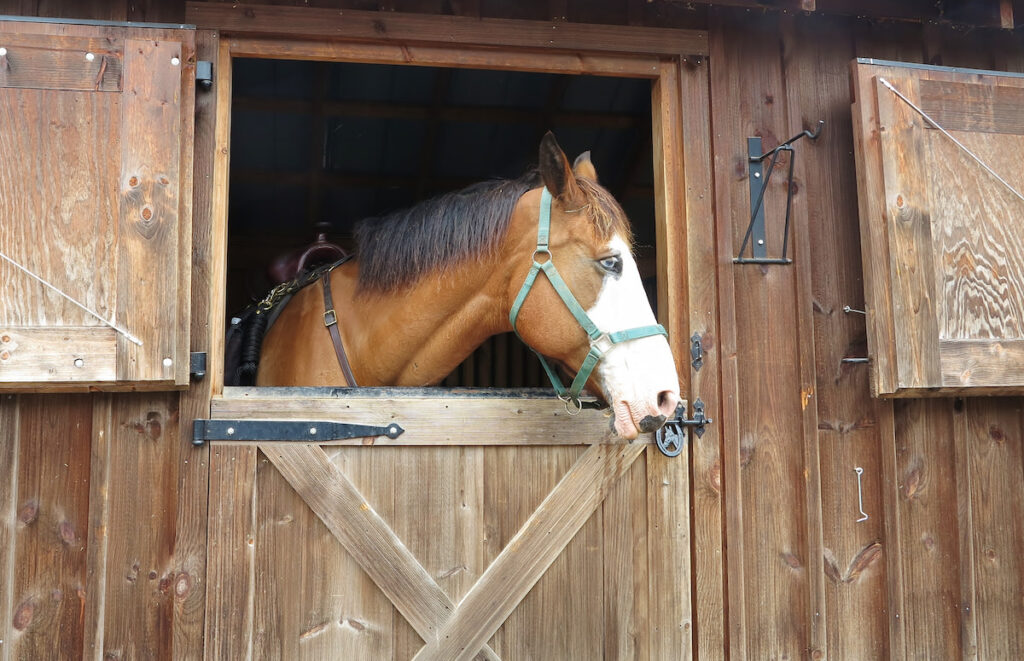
602,343
330,318
577,405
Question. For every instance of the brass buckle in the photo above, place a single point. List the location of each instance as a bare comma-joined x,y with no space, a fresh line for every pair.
330,318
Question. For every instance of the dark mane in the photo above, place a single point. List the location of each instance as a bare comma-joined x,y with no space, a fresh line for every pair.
401,247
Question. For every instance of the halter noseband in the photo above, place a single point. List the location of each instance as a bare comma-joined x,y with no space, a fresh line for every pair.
600,342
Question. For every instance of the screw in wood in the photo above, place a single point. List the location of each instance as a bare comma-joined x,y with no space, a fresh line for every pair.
89,57
847,309
3,51
860,495
168,362
175,61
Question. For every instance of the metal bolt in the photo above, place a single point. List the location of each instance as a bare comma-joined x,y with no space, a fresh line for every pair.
231,431
175,61
757,175
760,242
168,362
3,51
312,431
79,362
89,57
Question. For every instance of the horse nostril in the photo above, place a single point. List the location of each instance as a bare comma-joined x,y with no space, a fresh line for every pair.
667,402
651,423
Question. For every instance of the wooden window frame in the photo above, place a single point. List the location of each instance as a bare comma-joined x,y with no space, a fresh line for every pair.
300,33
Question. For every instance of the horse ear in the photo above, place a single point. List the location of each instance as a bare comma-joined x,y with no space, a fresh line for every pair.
554,168
583,167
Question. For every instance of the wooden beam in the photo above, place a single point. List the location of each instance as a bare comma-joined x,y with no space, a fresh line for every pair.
367,537
406,29
528,555
468,420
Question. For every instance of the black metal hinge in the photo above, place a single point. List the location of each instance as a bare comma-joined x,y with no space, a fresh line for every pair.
204,74
672,435
197,365
299,431
696,352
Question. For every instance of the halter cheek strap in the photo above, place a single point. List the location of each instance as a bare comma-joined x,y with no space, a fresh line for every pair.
600,342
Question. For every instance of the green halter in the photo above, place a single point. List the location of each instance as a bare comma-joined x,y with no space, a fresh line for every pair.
600,343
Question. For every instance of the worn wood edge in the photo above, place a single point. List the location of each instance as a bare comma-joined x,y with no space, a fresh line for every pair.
734,581
530,552
309,22
467,57
707,594
189,55
191,518
965,528
344,511
219,217
804,296
36,355
893,543
99,518
10,432
973,365
230,580
473,421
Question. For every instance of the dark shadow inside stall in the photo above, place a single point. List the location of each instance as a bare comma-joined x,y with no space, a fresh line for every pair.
317,146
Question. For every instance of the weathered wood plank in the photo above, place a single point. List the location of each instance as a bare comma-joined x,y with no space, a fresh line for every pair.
464,56
627,629
60,62
530,552
230,577
702,290
930,559
991,444
405,28
219,179
151,223
988,108
367,537
99,526
190,541
145,440
76,354
9,434
909,226
983,365
467,421
52,526
965,527
847,428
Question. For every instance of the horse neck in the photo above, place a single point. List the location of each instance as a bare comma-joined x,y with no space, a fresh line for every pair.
419,334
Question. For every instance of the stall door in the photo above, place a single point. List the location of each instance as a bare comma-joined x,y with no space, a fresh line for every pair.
495,526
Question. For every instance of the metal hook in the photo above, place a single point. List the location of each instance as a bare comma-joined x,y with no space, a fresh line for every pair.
813,135
860,497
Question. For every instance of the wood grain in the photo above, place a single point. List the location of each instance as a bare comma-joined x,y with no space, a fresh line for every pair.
9,434
514,572
150,220
978,108
365,535
60,63
230,561
52,526
99,526
36,355
467,420
461,56
409,28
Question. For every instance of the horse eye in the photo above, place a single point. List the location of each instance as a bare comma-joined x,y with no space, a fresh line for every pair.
612,264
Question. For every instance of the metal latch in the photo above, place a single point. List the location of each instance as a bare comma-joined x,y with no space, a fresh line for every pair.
204,74
671,436
696,352
299,431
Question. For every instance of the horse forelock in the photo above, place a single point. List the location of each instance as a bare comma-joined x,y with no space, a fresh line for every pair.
400,248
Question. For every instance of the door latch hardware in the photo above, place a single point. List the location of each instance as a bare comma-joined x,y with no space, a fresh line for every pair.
671,436
696,352
197,365
204,74
299,431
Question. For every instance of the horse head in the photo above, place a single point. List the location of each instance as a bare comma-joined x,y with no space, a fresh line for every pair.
588,247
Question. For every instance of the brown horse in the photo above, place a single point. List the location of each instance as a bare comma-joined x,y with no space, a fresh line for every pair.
430,284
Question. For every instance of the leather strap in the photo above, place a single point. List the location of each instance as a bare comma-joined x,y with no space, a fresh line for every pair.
331,322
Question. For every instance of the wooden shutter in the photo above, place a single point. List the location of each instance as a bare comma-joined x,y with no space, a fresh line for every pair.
95,192
942,237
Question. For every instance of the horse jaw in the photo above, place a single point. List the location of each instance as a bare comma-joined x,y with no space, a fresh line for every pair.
638,377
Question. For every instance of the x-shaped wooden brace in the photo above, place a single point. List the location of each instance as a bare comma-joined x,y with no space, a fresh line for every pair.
453,632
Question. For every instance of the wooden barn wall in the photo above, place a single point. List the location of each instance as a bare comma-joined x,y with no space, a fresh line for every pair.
103,501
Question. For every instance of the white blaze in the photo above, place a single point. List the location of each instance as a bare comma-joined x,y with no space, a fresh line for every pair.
634,372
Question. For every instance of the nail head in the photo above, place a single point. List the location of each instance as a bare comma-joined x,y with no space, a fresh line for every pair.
79,362
89,57
3,51
168,362
175,61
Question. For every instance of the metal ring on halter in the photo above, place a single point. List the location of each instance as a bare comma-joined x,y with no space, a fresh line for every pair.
566,399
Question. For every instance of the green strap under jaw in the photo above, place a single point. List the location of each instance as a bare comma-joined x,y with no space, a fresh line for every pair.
600,343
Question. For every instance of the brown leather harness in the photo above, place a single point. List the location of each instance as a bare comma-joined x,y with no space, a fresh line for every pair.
331,322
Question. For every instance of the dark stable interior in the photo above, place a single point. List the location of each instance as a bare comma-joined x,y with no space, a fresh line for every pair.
317,146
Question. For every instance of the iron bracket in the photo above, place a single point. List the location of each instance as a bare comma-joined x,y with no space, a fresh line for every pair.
299,431
671,436
758,179
204,75
197,365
